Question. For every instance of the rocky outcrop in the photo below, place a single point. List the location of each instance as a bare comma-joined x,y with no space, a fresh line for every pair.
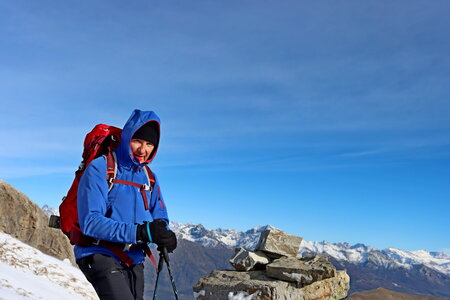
222,285
286,277
24,220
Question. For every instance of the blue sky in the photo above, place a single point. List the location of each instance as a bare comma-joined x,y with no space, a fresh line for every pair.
329,120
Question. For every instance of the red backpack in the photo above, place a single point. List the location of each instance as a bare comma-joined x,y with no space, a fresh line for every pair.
101,141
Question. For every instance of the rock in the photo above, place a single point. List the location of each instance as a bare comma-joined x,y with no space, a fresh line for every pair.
303,271
223,285
24,220
245,260
275,243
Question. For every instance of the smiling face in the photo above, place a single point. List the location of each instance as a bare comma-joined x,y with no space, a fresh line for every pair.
141,149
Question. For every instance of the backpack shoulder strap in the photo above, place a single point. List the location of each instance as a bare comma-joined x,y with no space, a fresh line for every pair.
111,168
150,176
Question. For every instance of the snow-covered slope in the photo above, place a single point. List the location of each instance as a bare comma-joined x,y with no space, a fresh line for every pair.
357,254
27,273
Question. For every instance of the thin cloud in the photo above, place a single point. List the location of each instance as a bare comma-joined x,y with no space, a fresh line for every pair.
362,153
12,172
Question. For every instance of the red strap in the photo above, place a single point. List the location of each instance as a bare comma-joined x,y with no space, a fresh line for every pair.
150,175
78,238
150,256
140,186
144,196
115,248
127,182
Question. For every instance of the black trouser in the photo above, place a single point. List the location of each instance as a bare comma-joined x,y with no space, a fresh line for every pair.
112,280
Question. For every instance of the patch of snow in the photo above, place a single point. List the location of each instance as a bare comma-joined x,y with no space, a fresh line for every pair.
201,293
241,296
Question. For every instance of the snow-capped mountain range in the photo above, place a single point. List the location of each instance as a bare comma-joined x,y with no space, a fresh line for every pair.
389,258
356,254
228,238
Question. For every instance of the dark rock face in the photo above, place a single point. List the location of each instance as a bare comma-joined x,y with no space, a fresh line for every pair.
24,220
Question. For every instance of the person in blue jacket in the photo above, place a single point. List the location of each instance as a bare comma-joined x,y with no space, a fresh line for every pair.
121,215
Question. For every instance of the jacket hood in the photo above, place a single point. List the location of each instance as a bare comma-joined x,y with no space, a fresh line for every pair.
137,119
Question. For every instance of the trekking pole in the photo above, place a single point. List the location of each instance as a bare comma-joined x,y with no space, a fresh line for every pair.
160,267
165,254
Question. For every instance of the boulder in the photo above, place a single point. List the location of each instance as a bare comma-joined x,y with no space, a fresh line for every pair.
245,260
24,220
275,243
302,271
223,285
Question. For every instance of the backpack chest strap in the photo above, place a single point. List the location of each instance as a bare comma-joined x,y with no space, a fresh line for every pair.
142,188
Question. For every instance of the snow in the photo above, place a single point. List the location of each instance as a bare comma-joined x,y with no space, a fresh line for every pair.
437,261
389,258
27,273
241,296
229,238
201,293
49,210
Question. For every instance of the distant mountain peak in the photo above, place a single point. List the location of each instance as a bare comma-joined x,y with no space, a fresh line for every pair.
49,210
228,238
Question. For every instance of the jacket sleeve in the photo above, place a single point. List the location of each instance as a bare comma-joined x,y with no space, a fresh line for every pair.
93,205
158,208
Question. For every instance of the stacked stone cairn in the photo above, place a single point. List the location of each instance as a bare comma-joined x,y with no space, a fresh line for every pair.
274,272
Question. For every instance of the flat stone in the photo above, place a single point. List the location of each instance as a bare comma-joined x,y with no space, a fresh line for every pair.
275,243
223,285
245,260
302,271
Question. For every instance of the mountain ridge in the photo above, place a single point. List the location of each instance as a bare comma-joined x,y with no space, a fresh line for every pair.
357,253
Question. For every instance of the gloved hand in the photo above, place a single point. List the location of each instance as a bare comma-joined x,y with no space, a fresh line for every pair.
159,234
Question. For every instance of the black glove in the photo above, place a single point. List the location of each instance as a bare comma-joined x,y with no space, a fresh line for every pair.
159,234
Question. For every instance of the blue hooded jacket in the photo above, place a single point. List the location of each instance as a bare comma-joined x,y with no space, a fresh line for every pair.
114,215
